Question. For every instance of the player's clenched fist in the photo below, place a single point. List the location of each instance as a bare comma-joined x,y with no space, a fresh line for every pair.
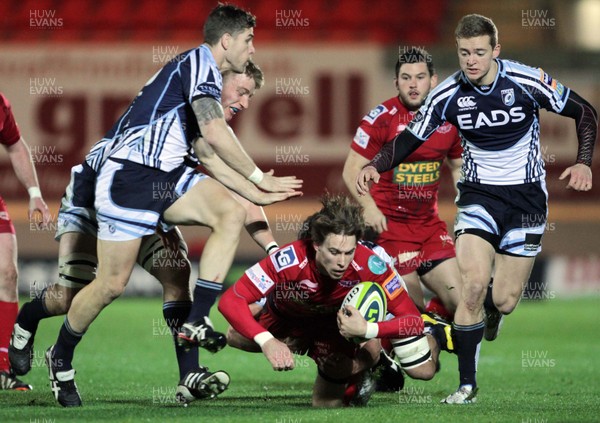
351,323
368,173
278,354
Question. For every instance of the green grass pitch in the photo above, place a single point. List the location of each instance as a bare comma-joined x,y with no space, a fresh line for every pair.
544,367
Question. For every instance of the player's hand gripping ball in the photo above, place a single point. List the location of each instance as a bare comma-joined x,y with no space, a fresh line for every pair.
369,299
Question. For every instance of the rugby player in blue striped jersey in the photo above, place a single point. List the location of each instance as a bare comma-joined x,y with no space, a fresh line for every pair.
502,201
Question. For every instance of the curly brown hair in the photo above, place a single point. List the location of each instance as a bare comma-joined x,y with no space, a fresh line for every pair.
339,215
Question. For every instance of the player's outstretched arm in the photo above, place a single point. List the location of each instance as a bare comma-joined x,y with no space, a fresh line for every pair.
273,183
373,216
233,180
214,129
22,163
391,155
586,125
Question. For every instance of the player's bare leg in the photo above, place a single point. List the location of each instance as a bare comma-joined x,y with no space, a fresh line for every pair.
9,306
77,267
475,260
413,284
210,204
8,268
445,281
115,263
510,278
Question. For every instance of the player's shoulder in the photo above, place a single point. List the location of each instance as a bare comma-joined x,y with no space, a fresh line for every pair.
445,89
383,113
197,58
514,68
371,264
451,82
376,265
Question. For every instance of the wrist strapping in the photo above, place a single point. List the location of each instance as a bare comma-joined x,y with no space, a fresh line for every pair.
262,338
34,192
372,330
256,177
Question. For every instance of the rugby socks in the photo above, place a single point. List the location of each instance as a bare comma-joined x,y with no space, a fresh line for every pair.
65,347
8,315
175,313
205,295
32,312
488,303
467,343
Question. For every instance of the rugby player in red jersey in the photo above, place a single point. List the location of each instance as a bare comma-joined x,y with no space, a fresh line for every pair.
20,157
403,209
304,283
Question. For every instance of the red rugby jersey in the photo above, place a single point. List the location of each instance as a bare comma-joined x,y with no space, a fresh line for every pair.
410,191
9,131
296,289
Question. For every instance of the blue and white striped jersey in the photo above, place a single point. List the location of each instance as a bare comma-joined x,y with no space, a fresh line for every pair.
499,126
159,125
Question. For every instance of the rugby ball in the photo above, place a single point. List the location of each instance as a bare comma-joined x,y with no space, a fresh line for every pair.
369,299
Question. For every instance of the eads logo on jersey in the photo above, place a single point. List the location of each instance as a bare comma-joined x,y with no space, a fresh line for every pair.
491,119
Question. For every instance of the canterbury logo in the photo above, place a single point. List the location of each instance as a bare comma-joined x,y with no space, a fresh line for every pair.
464,102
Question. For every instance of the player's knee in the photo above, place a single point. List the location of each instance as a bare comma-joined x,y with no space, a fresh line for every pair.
110,288
8,285
507,305
232,220
473,294
234,339
425,371
230,336
370,351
